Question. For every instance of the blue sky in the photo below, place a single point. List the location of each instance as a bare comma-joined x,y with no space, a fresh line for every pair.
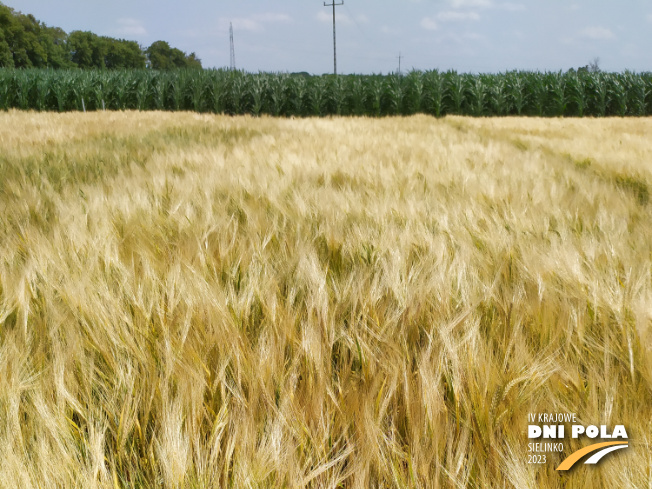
296,35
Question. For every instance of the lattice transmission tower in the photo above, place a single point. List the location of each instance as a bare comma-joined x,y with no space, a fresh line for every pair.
232,67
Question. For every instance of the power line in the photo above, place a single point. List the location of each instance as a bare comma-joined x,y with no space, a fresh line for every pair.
364,34
334,37
399,62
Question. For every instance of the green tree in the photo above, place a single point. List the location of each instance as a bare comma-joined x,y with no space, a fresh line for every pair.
54,39
25,42
123,54
29,37
87,50
6,56
8,29
163,57
159,55
192,61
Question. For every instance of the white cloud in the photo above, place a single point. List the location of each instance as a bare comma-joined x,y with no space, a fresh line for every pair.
597,33
487,4
429,24
245,24
471,3
130,27
463,39
631,51
270,18
254,22
393,31
473,36
363,19
326,17
454,16
649,18
511,6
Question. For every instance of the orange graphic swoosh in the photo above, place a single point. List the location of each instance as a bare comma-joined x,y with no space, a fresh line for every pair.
575,456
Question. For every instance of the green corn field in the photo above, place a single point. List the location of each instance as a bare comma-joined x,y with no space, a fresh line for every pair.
549,94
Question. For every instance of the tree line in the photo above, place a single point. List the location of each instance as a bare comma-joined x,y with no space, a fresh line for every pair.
26,42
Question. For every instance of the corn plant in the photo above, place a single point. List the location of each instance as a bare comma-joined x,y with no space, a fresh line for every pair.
647,79
235,92
336,90
218,91
256,85
355,91
317,95
121,87
375,95
159,84
60,85
618,95
82,94
516,87
297,88
577,94
142,88
498,102
558,95
43,84
636,94
414,92
598,90
537,94
6,91
177,90
455,91
22,85
434,87
476,94
196,87
276,93
394,93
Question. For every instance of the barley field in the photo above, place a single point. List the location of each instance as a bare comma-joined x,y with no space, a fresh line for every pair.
202,301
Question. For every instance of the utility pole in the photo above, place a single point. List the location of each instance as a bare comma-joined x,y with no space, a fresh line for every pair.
232,47
399,62
334,38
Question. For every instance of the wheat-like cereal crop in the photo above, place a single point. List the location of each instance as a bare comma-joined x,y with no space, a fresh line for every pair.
203,301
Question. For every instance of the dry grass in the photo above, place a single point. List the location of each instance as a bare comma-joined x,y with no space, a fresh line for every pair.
195,301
